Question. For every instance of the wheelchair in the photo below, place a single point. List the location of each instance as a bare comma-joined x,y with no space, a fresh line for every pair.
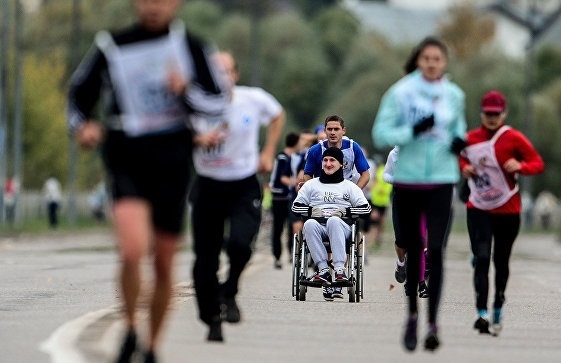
302,264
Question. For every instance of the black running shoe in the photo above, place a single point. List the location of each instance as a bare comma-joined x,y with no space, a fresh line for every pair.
150,357
423,290
410,336
482,325
128,348
431,340
215,332
230,310
400,273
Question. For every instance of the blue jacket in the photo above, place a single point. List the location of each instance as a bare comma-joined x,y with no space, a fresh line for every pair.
427,158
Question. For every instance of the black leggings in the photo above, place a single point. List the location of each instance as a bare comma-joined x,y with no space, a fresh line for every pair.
436,203
483,227
280,211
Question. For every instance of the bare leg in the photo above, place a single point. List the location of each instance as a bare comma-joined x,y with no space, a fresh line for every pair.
400,252
164,251
132,227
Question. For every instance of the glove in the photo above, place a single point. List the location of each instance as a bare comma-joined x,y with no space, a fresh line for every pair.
316,212
339,212
457,145
423,125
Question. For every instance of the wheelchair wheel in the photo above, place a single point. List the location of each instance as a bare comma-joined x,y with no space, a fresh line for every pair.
295,265
301,293
352,273
302,289
355,266
301,269
359,269
360,273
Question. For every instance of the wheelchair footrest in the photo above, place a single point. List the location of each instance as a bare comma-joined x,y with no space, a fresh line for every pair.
309,283
347,283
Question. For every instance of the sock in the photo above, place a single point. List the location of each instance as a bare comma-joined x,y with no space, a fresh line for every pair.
483,314
399,263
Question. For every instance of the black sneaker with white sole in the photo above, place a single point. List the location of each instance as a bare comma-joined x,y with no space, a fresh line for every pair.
400,273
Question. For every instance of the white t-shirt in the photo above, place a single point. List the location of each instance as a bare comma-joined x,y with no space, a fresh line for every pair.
237,156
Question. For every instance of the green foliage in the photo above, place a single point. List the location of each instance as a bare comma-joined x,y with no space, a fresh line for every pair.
317,61
305,79
336,30
234,35
311,7
547,65
467,31
480,74
45,140
547,111
300,67
202,18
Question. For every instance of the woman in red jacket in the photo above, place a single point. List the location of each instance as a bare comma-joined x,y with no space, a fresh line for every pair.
494,156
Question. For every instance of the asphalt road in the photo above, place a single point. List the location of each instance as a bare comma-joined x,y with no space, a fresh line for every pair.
59,304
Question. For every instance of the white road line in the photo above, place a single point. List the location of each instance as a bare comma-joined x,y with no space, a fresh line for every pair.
62,344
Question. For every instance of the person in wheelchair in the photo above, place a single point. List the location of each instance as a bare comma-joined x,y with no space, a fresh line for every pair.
329,203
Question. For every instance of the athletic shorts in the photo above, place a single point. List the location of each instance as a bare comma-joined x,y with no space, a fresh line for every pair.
381,211
155,169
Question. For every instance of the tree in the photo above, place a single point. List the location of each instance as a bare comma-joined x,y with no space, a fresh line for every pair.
336,30
296,69
467,31
203,19
315,63
547,65
547,108
45,137
311,7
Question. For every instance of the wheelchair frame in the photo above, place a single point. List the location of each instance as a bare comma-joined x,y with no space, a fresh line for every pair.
301,266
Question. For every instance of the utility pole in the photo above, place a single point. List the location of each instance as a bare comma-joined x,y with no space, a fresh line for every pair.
18,109
4,41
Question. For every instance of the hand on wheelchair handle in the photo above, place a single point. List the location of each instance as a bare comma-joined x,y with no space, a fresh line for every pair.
339,213
316,212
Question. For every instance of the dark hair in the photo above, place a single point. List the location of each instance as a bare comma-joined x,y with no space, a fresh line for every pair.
291,139
334,118
411,64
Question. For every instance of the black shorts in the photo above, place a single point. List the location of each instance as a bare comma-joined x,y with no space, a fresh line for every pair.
155,169
381,212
